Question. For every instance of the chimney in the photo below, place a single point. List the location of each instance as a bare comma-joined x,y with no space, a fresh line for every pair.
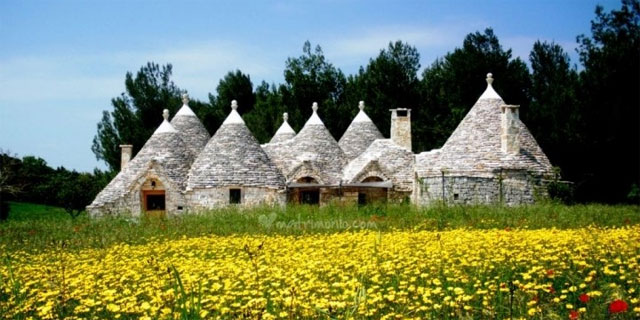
125,155
510,129
401,127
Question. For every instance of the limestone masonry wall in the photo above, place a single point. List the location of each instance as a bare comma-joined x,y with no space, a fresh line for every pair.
510,188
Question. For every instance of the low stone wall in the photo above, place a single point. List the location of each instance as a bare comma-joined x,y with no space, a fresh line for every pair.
509,188
210,198
131,204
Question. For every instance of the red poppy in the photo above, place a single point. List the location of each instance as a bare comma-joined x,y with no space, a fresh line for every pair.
573,314
618,306
552,290
584,298
550,272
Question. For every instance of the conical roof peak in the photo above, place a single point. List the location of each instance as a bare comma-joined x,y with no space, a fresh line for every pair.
314,119
192,131
233,157
165,126
359,135
361,116
475,144
490,93
234,116
185,110
285,132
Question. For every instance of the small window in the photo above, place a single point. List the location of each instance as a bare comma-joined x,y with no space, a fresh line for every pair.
401,113
179,207
455,196
362,199
235,195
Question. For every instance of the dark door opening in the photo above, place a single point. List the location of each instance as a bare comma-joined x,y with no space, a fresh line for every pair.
310,196
362,199
235,196
155,202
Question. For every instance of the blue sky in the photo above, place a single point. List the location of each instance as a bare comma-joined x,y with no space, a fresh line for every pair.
61,62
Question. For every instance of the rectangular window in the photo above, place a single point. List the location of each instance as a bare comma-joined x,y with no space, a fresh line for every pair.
235,196
401,113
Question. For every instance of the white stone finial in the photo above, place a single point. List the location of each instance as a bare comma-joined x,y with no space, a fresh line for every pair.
361,105
314,107
285,116
489,78
165,114
185,99
234,104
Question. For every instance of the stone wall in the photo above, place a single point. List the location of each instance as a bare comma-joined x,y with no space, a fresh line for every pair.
211,198
509,188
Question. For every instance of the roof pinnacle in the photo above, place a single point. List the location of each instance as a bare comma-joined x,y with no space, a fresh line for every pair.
489,78
314,107
165,114
185,99
361,105
285,116
234,104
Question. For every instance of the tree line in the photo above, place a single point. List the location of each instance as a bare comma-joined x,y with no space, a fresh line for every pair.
31,179
585,119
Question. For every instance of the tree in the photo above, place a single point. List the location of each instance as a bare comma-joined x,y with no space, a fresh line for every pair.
235,86
266,117
389,81
452,84
310,78
137,113
555,116
609,90
9,185
75,191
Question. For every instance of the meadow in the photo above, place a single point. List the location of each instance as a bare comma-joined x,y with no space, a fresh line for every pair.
546,261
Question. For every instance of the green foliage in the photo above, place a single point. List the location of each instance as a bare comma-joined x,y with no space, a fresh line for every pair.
389,81
266,116
609,89
136,113
311,78
586,122
30,179
9,186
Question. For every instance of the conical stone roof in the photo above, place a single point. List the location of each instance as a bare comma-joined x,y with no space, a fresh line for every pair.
313,145
359,135
233,157
285,132
166,148
191,130
475,145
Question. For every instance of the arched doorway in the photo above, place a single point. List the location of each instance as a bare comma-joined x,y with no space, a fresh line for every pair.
153,200
308,194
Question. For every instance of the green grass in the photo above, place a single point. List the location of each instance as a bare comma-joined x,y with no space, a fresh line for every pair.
36,227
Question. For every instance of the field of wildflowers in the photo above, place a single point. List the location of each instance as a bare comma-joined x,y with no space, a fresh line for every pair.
498,273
